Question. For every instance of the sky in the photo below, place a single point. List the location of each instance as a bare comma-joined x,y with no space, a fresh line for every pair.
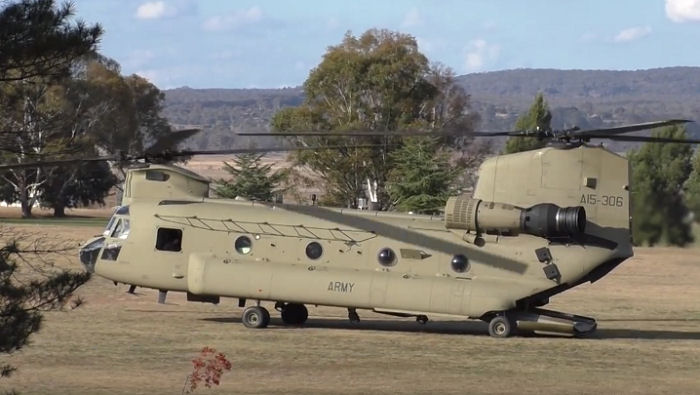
276,43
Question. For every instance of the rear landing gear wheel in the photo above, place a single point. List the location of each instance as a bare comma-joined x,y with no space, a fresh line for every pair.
500,326
294,313
422,319
255,317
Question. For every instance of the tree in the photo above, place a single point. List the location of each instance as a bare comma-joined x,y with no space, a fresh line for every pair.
538,117
659,171
691,189
422,177
251,179
71,186
378,81
39,44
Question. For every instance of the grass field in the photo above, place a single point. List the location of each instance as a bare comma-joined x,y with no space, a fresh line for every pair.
648,342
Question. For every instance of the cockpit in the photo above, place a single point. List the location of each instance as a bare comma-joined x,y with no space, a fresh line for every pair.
110,243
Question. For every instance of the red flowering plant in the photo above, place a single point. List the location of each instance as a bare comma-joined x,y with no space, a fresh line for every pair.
207,368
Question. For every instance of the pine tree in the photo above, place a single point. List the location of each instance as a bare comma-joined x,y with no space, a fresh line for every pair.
422,177
659,171
538,117
251,179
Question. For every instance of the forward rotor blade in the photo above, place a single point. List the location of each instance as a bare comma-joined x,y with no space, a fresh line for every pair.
171,140
274,149
176,154
405,133
627,128
57,162
645,139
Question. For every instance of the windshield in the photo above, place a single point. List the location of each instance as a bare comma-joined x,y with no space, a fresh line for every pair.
121,231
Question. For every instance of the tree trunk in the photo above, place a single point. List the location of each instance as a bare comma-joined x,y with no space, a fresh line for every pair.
24,199
59,211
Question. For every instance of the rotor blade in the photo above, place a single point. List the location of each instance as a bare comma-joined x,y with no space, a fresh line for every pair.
273,149
405,133
172,139
645,139
628,128
175,154
57,162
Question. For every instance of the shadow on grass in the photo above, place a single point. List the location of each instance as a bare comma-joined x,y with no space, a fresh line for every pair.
463,328
438,327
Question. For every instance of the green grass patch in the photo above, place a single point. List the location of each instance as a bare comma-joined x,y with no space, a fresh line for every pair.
64,221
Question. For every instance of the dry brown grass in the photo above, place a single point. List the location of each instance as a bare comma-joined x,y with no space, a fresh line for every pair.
648,342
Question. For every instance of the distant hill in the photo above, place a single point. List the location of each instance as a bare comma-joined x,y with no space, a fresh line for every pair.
584,98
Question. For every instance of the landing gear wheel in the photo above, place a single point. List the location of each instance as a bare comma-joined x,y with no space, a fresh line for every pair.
255,317
500,326
294,313
422,319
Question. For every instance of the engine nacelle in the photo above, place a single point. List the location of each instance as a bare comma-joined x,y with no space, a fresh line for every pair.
543,220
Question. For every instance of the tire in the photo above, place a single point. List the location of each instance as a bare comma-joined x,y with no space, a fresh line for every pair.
500,326
255,317
294,314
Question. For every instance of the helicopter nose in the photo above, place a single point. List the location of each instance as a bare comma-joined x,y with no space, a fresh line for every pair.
89,252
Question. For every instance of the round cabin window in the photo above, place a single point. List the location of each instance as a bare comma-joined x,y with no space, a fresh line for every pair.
460,263
314,250
386,257
243,245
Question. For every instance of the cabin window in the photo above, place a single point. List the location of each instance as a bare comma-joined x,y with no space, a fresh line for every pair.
386,257
314,250
155,175
169,239
460,263
243,245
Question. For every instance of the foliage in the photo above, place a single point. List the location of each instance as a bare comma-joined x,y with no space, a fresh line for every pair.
659,172
538,117
378,81
71,186
691,189
422,177
38,39
207,368
251,179
39,46
26,293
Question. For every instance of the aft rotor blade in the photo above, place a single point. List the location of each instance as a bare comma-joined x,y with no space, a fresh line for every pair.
627,128
645,139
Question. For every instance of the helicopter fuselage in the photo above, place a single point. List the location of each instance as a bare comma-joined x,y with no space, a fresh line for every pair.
483,261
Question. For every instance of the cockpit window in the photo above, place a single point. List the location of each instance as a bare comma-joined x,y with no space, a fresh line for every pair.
108,228
122,210
122,229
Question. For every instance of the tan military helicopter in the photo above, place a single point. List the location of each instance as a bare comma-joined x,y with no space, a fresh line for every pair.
539,223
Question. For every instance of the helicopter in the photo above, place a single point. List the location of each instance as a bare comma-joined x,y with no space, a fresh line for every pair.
537,224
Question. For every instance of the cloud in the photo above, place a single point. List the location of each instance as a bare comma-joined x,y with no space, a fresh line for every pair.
632,33
233,20
683,10
478,53
161,9
412,18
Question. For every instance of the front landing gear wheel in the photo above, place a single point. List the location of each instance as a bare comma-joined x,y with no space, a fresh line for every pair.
500,326
255,317
294,314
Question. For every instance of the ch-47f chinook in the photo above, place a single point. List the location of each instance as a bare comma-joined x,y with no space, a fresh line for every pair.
539,223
